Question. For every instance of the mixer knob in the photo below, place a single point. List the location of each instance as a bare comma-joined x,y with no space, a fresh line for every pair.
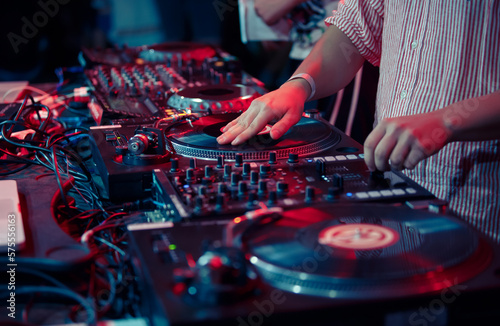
293,158
202,191
189,175
174,167
310,194
265,170
242,188
282,187
221,188
198,209
219,202
272,158
321,167
262,188
246,169
254,177
220,161
208,171
227,171
192,163
235,178
238,160
252,197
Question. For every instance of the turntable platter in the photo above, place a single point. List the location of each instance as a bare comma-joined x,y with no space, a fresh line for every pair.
369,251
307,137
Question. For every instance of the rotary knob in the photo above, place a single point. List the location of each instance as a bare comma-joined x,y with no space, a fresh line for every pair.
189,175
238,160
310,194
293,158
235,178
254,177
246,169
174,167
192,163
282,187
265,171
272,158
220,161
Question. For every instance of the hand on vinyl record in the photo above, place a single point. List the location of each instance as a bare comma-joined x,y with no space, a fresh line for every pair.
402,142
285,104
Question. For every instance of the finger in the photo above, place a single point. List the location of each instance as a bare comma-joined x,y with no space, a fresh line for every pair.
230,125
254,128
231,134
282,126
370,144
400,152
416,155
235,127
383,151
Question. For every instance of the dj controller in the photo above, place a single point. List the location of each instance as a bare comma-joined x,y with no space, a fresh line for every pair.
295,230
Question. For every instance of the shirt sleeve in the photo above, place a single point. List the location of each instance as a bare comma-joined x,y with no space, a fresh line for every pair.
362,21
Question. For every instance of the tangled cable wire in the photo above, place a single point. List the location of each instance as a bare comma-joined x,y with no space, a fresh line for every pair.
33,136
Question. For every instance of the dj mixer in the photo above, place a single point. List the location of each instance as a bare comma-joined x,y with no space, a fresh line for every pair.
288,231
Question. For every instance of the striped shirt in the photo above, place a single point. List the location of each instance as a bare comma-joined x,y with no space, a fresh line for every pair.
432,54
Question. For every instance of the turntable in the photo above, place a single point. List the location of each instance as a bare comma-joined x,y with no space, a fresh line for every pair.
314,264
198,139
364,252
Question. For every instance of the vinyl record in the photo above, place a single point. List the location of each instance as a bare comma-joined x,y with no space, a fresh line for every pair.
365,251
213,98
198,139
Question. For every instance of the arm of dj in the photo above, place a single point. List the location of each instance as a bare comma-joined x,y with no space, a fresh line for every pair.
332,64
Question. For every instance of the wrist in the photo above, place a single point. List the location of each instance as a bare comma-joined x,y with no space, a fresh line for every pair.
298,88
305,80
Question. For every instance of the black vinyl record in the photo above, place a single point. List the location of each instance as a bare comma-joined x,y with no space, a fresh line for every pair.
199,139
365,251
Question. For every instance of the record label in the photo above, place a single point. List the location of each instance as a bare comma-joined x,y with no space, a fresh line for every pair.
358,236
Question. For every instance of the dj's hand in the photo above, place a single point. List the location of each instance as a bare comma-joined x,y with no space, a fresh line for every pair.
285,104
402,142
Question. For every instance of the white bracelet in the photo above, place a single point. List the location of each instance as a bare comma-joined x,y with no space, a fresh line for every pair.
309,79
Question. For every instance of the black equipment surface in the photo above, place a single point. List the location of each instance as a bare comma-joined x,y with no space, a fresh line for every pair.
313,162
275,267
137,82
